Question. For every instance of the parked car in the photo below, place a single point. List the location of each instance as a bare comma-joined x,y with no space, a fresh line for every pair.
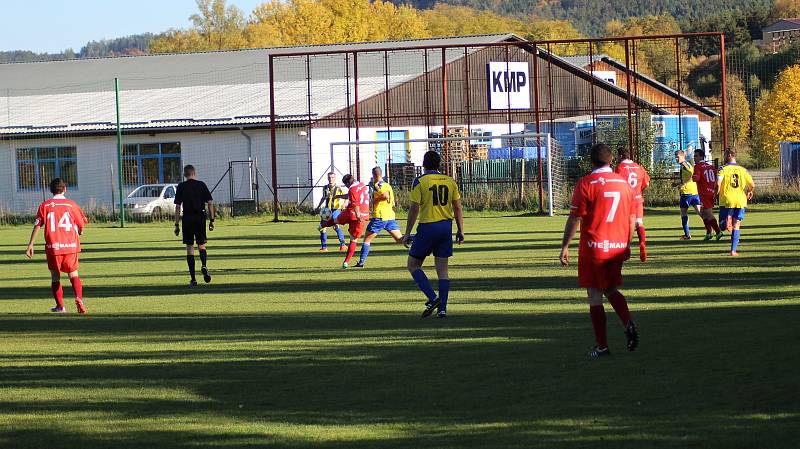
151,201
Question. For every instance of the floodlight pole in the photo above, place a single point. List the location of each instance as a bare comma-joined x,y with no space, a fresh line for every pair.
119,157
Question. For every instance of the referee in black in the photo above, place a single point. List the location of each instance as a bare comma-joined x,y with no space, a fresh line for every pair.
192,196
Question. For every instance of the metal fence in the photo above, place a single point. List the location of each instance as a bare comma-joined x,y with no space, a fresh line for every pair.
257,124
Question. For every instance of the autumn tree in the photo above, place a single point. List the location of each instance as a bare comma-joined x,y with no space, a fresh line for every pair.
654,57
739,113
777,117
304,22
448,20
782,9
216,26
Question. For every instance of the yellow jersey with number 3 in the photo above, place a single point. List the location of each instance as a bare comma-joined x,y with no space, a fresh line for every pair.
734,181
435,193
383,209
690,187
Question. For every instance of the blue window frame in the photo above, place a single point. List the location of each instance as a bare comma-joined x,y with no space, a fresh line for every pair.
151,163
36,167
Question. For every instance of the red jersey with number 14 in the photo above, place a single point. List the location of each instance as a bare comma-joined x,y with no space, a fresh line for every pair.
636,176
62,220
603,199
358,207
705,175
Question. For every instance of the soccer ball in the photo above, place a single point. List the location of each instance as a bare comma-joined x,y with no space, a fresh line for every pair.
325,214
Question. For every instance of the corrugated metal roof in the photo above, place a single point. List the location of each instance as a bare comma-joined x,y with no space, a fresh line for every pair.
218,67
223,88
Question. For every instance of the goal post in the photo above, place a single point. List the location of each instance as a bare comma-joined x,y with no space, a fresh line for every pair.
520,167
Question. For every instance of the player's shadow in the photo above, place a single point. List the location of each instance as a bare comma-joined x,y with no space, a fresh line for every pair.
390,380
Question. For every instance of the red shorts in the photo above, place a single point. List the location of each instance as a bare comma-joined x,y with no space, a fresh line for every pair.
638,210
356,228
707,201
64,263
601,274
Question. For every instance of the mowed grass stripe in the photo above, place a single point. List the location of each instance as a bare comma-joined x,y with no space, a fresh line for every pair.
286,350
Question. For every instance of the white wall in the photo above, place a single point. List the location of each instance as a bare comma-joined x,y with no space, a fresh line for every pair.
209,152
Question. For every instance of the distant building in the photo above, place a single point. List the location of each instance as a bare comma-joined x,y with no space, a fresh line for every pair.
783,32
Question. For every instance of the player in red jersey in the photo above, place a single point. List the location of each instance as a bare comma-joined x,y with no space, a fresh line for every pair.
705,175
63,221
355,214
639,180
602,205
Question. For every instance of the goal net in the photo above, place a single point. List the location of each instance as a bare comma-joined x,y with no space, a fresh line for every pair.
510,171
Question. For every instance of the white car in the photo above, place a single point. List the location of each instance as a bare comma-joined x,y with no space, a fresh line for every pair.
151,201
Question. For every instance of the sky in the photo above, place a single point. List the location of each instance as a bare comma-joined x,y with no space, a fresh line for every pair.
55,25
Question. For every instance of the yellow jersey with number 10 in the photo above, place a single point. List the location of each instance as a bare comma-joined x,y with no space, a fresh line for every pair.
734,181
435,193
690,187
383,209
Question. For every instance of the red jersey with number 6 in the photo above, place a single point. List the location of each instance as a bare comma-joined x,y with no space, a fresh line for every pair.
705,175
358,207
636,176
603,200
63,221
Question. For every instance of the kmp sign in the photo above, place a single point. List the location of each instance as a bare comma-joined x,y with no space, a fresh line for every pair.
509,85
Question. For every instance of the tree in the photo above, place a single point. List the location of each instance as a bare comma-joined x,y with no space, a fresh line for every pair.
304,22
216,26
537,29
777,117
738,113
656,57
447,20
785,8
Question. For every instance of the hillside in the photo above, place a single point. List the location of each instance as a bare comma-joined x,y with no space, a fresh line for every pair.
590,16
128,45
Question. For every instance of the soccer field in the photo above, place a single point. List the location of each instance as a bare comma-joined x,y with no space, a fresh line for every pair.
284,349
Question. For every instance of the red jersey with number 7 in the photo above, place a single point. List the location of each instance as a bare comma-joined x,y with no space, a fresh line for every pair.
603,200
636,176
358,207
63,221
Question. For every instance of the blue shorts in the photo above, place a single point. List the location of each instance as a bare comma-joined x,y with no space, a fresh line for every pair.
334,215
376,225
736,213
688,201
433,238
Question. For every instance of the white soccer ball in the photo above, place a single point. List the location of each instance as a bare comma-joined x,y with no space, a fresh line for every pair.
325,214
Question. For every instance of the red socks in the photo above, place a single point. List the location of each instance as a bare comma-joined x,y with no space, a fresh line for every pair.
58,293
77,286
708,226
620,305
351,249
598,315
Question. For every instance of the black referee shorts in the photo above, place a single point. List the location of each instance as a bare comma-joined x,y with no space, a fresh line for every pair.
194,230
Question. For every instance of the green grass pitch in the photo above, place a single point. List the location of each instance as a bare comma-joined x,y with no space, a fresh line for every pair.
285,350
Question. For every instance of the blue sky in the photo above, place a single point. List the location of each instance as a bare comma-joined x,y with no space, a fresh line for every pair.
55,25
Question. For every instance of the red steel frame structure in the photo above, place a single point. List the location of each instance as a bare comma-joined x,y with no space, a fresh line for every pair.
537,113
